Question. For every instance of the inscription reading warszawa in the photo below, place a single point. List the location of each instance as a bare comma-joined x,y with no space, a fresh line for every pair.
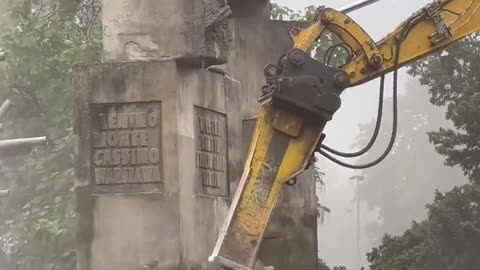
211,151
126,141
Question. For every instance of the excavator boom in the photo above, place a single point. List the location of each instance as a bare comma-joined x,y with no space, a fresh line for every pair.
302,95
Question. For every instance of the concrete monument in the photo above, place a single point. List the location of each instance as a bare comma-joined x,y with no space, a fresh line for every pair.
161,138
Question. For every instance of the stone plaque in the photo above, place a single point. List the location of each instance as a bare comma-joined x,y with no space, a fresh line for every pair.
211,163
126,142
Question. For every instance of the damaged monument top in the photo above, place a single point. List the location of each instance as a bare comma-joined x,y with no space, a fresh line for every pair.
197,32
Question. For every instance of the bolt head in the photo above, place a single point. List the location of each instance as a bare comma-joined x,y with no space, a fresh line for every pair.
328,15
342,79
297,57
377,60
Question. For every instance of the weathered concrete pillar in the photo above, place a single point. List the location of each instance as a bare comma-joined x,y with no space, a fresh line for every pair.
142,30
157,146
159,150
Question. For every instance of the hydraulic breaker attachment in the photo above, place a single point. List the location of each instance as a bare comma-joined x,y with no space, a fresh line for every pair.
301,97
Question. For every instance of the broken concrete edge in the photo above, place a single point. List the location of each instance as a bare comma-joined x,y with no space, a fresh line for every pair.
253,9
183,61
153,31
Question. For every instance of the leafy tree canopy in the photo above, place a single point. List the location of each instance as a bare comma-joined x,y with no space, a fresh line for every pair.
449,238
403,183
453,81
43,39
323,266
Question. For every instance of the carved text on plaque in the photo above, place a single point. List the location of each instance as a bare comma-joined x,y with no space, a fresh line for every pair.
127,143
211,152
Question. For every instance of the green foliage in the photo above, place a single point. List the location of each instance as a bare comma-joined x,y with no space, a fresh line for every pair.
448,239
453,81
287,14
43,39
403,183
323,266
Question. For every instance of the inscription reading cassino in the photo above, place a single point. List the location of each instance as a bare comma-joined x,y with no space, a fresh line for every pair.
126,142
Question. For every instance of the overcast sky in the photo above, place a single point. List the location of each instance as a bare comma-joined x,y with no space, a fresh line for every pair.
359,105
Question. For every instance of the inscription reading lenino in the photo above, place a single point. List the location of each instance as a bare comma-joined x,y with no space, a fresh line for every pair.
126,142
211,151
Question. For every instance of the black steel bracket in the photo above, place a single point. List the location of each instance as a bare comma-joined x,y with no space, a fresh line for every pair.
305,84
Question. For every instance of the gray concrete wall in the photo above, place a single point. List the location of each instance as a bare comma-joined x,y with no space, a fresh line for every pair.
255,43
169,219
147,30
165,210
204,209
253,9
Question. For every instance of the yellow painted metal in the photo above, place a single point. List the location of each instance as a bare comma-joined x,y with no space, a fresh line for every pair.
352,34
282,145
345,28
304,39
461,16
283,141
417,44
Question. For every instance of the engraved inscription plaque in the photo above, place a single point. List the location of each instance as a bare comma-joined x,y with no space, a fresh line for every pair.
211,164
126,141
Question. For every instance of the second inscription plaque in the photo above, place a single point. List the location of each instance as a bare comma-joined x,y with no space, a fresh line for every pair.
211,163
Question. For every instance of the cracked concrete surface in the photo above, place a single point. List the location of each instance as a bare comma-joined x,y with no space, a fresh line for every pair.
158,29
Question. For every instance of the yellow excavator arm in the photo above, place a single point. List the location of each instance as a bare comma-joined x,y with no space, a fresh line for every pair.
434,27
302,95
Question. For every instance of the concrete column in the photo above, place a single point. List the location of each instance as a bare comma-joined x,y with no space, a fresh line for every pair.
143,30
253,9
159,138
157,146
